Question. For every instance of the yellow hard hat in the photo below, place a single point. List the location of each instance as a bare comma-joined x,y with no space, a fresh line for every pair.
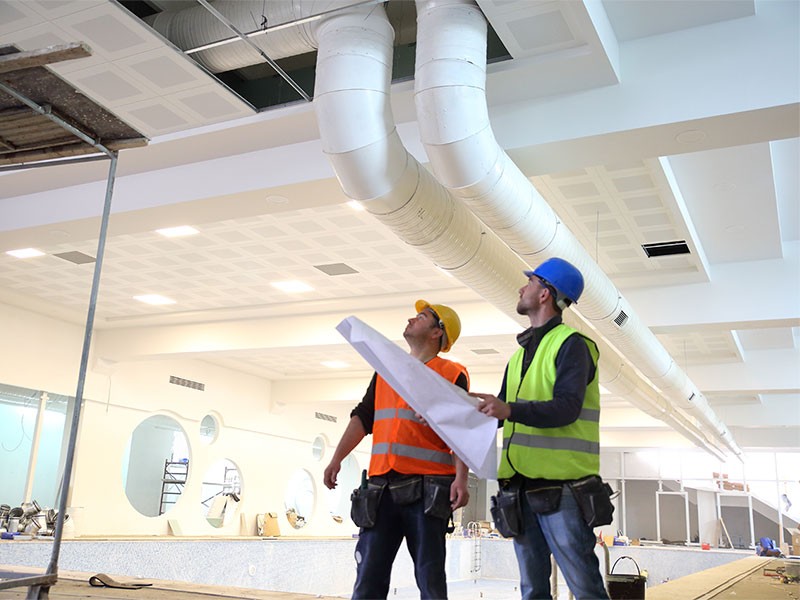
448,320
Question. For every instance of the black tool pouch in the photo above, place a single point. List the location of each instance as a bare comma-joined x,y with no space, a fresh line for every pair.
544,500
593,497
406,490
364,504
507,512
437,496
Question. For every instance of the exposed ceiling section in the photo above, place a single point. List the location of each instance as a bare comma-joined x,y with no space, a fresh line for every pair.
44,118
639,122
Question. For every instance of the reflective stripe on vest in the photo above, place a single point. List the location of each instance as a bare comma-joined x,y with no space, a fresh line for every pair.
444,458
391,413
568,452
401,442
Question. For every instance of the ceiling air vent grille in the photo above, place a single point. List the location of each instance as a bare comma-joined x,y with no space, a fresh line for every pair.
336,269
665,249
324,417
195,385
78,258
621,318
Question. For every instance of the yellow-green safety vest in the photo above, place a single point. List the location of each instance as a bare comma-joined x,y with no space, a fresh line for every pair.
568,452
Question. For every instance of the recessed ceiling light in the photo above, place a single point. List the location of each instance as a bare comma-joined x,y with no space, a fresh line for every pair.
292,287
25,253
154,299
355,205
691,136
178,231
335,364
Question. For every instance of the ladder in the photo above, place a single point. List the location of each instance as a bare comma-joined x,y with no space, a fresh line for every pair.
474,533
172,483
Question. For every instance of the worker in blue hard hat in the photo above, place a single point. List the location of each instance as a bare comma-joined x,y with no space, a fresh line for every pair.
550,493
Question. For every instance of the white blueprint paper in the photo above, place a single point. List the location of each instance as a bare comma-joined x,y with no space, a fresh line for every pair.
447,408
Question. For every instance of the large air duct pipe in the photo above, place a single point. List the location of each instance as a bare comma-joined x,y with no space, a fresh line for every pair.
453,117
352,101
193,27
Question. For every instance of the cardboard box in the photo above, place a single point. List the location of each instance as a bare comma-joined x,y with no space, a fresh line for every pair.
267,524
795,540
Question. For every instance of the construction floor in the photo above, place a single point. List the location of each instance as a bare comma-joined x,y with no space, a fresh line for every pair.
747,579
72,585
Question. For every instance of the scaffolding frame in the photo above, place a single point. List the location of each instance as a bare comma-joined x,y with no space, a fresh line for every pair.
39,585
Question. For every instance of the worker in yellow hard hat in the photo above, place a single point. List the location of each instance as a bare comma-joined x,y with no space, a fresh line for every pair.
415,480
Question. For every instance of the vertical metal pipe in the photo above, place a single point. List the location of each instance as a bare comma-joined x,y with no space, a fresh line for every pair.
52,568
624,497
778,502
37,434
686,507
658,513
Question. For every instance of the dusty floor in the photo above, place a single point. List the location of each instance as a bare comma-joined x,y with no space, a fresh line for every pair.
747,579
72,586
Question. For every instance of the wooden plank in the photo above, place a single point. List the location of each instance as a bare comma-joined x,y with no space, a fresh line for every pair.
43,56
78,149
742,579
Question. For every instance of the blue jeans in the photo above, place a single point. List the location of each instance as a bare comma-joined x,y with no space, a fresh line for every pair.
377,547
566,535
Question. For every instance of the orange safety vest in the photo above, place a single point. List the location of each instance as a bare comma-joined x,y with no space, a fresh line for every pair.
399,441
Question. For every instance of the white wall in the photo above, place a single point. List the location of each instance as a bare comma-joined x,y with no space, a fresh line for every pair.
267,437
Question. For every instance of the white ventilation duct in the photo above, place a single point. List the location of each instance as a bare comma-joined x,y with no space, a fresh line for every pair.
352,102
455,129
194,27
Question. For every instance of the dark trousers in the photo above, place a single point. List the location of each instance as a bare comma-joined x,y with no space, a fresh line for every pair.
377,547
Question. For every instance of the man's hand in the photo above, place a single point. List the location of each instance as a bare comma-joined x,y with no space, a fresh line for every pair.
492,406
331,471
459,494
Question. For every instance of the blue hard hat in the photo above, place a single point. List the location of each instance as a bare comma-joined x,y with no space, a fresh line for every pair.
561,275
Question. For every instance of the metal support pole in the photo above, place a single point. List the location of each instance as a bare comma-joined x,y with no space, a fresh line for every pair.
686,507
623,496
37,435
781,538
87,342
39,585
658,513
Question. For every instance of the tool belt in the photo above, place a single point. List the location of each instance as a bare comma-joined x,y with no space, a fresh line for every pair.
434,490
592,495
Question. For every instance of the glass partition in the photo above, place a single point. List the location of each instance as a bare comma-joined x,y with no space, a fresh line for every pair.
19,411
221,492
156,465
299,498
